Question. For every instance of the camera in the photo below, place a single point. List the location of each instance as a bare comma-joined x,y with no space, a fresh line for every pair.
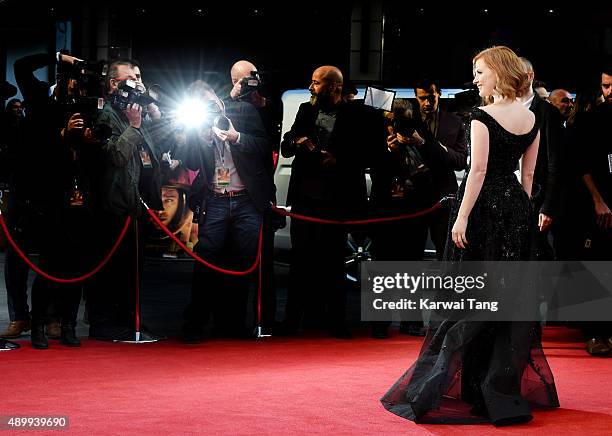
215,116
81,90
404,126
131,92
249,84
194,113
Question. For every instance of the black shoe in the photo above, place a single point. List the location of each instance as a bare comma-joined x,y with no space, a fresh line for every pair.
68,336
412,328
110,333
233,332
39,337
149,335
285,329
8,345
192,334
380,333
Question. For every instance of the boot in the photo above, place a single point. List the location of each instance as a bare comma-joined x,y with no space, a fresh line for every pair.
15,329
54,330
39,337
68,336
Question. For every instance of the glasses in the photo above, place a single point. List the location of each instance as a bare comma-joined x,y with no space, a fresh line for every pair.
567,100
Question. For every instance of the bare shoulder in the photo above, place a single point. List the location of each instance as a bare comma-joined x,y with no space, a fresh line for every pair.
486,109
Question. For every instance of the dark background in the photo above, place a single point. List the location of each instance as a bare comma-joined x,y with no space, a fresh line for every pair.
179,41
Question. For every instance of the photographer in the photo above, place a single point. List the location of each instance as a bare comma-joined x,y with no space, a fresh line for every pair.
231,152
401,183
430,145
43,193
129,171
247,87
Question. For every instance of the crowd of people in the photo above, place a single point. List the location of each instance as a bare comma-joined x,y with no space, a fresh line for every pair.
71,166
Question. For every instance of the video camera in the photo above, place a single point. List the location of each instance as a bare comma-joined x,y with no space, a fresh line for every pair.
130,92
249,84
81,90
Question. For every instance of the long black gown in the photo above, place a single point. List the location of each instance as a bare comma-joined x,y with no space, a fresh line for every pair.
470,371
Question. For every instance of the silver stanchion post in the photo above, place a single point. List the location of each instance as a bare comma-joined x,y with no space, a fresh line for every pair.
259,329
137,338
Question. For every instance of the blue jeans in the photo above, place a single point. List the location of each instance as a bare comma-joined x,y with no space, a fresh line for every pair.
228,237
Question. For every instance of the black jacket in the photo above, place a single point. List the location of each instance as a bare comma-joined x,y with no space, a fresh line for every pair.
546,190
444,163
596,150
251,157
42,172
118,189
358,132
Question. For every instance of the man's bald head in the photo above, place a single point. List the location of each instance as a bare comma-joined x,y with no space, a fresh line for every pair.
241,69
562,100
326,86
330,74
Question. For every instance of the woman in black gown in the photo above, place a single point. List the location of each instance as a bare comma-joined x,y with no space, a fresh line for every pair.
477,371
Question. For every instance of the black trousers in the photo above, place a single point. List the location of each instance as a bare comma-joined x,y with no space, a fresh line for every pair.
111,293
317,287
64,253
600,248
407,239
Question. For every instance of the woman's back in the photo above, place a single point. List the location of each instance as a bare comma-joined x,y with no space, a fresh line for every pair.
515,118
501,217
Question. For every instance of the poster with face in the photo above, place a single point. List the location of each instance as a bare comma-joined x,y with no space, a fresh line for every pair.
176,215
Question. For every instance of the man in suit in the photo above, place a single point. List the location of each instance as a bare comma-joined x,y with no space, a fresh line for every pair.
231,153
443,145
546,183
330,141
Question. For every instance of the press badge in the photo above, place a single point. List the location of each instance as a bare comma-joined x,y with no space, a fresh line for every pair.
222,176
145,158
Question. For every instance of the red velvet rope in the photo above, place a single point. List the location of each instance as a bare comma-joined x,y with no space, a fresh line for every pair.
362,221
198,258
59,279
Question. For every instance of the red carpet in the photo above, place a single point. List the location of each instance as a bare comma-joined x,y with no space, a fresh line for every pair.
273,386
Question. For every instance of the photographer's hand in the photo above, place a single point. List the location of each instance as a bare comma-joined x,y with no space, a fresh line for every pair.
154,111
133,112
304,143
230,135
235,92
68,59
392,142
418,139
75,123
